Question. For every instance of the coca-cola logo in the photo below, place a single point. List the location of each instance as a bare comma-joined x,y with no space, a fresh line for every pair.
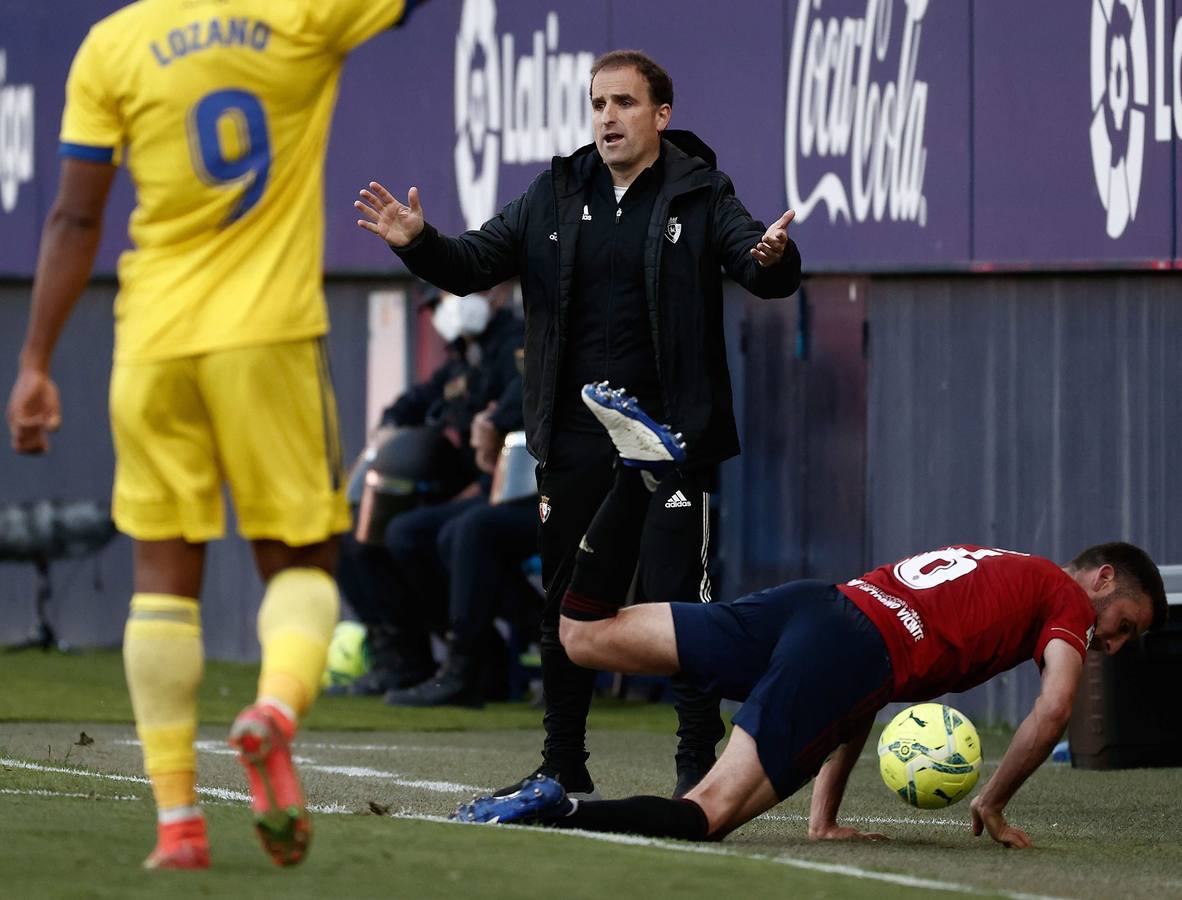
851,141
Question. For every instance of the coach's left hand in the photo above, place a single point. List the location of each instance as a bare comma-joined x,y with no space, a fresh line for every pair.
837,832
770,249
34,410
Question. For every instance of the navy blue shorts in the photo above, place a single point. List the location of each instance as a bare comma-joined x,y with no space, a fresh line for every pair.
806,662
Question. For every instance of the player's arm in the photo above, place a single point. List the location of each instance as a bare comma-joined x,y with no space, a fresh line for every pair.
829,788
69,242
1032,743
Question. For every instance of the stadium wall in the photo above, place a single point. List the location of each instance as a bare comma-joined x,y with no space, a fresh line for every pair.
91,595
948,373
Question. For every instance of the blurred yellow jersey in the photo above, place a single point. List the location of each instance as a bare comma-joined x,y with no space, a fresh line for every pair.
223,109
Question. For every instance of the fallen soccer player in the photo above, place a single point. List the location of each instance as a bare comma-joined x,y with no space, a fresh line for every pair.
813,662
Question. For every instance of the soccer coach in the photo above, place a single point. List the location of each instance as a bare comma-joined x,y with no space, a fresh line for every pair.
620,249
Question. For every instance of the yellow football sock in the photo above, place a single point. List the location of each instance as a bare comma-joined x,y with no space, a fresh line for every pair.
296,622
163,659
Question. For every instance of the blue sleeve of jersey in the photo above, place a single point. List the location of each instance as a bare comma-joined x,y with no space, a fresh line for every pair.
86,152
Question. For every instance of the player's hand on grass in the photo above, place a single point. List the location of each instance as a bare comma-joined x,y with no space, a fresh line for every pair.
34,410
770,249
835,832
395,223
985,818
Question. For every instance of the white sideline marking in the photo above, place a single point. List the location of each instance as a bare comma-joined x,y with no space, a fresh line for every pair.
871,820
219,793
407,748
219,747
442,787
632,840
45,793
713,850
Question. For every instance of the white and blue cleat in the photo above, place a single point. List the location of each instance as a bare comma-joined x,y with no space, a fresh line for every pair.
536,798
640,440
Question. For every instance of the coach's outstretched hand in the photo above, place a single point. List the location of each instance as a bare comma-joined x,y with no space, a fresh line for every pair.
1000,830
843,833
395,223
770,249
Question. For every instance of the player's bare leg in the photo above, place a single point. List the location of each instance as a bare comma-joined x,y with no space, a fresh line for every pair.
736,789
163,661
638,641
169,567
296,621
641,640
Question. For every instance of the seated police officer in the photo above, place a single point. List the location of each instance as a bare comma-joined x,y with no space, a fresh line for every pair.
394,576
483,549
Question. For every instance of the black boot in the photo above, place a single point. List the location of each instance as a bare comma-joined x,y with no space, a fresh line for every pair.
457,683
399,660
571,772
700,728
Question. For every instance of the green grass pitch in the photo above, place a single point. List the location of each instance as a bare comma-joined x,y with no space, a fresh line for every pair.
76,817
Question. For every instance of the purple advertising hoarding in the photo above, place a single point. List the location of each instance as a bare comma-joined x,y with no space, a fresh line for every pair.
907,134
1074,132
37,43
468,102
876,126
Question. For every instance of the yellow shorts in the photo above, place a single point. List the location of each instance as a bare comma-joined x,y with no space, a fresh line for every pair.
262,420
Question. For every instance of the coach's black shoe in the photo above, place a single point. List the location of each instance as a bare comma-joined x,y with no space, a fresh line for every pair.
689,773
575,780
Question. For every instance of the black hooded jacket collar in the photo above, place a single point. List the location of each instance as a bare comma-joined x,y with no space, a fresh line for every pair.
686,158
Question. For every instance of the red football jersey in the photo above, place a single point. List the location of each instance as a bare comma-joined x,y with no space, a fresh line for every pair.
954,618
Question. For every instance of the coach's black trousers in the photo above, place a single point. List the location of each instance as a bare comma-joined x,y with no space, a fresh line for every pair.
664,544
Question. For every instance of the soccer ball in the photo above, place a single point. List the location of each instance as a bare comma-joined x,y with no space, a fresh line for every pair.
930,755
348,655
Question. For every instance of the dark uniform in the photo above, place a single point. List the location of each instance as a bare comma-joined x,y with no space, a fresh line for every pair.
400,588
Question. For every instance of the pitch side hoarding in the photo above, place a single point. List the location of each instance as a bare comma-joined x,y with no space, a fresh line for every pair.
908,134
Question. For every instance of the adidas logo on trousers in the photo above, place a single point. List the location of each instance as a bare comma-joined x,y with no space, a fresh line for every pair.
677,500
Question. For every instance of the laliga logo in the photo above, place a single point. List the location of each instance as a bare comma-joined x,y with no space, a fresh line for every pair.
1120,97
512,109
835,111
478,111
1120,100
16,136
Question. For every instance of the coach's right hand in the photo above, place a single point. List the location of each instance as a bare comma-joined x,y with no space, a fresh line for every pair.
395,223
34,410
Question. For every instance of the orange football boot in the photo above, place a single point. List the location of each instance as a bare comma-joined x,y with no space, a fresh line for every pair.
180,845
282,823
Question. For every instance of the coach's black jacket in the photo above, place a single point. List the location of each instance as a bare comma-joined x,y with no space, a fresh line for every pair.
535,237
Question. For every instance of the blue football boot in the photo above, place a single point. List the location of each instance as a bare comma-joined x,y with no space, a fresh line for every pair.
536,798
641,442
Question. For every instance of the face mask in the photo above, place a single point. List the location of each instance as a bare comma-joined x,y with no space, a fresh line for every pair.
455,316
474,314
